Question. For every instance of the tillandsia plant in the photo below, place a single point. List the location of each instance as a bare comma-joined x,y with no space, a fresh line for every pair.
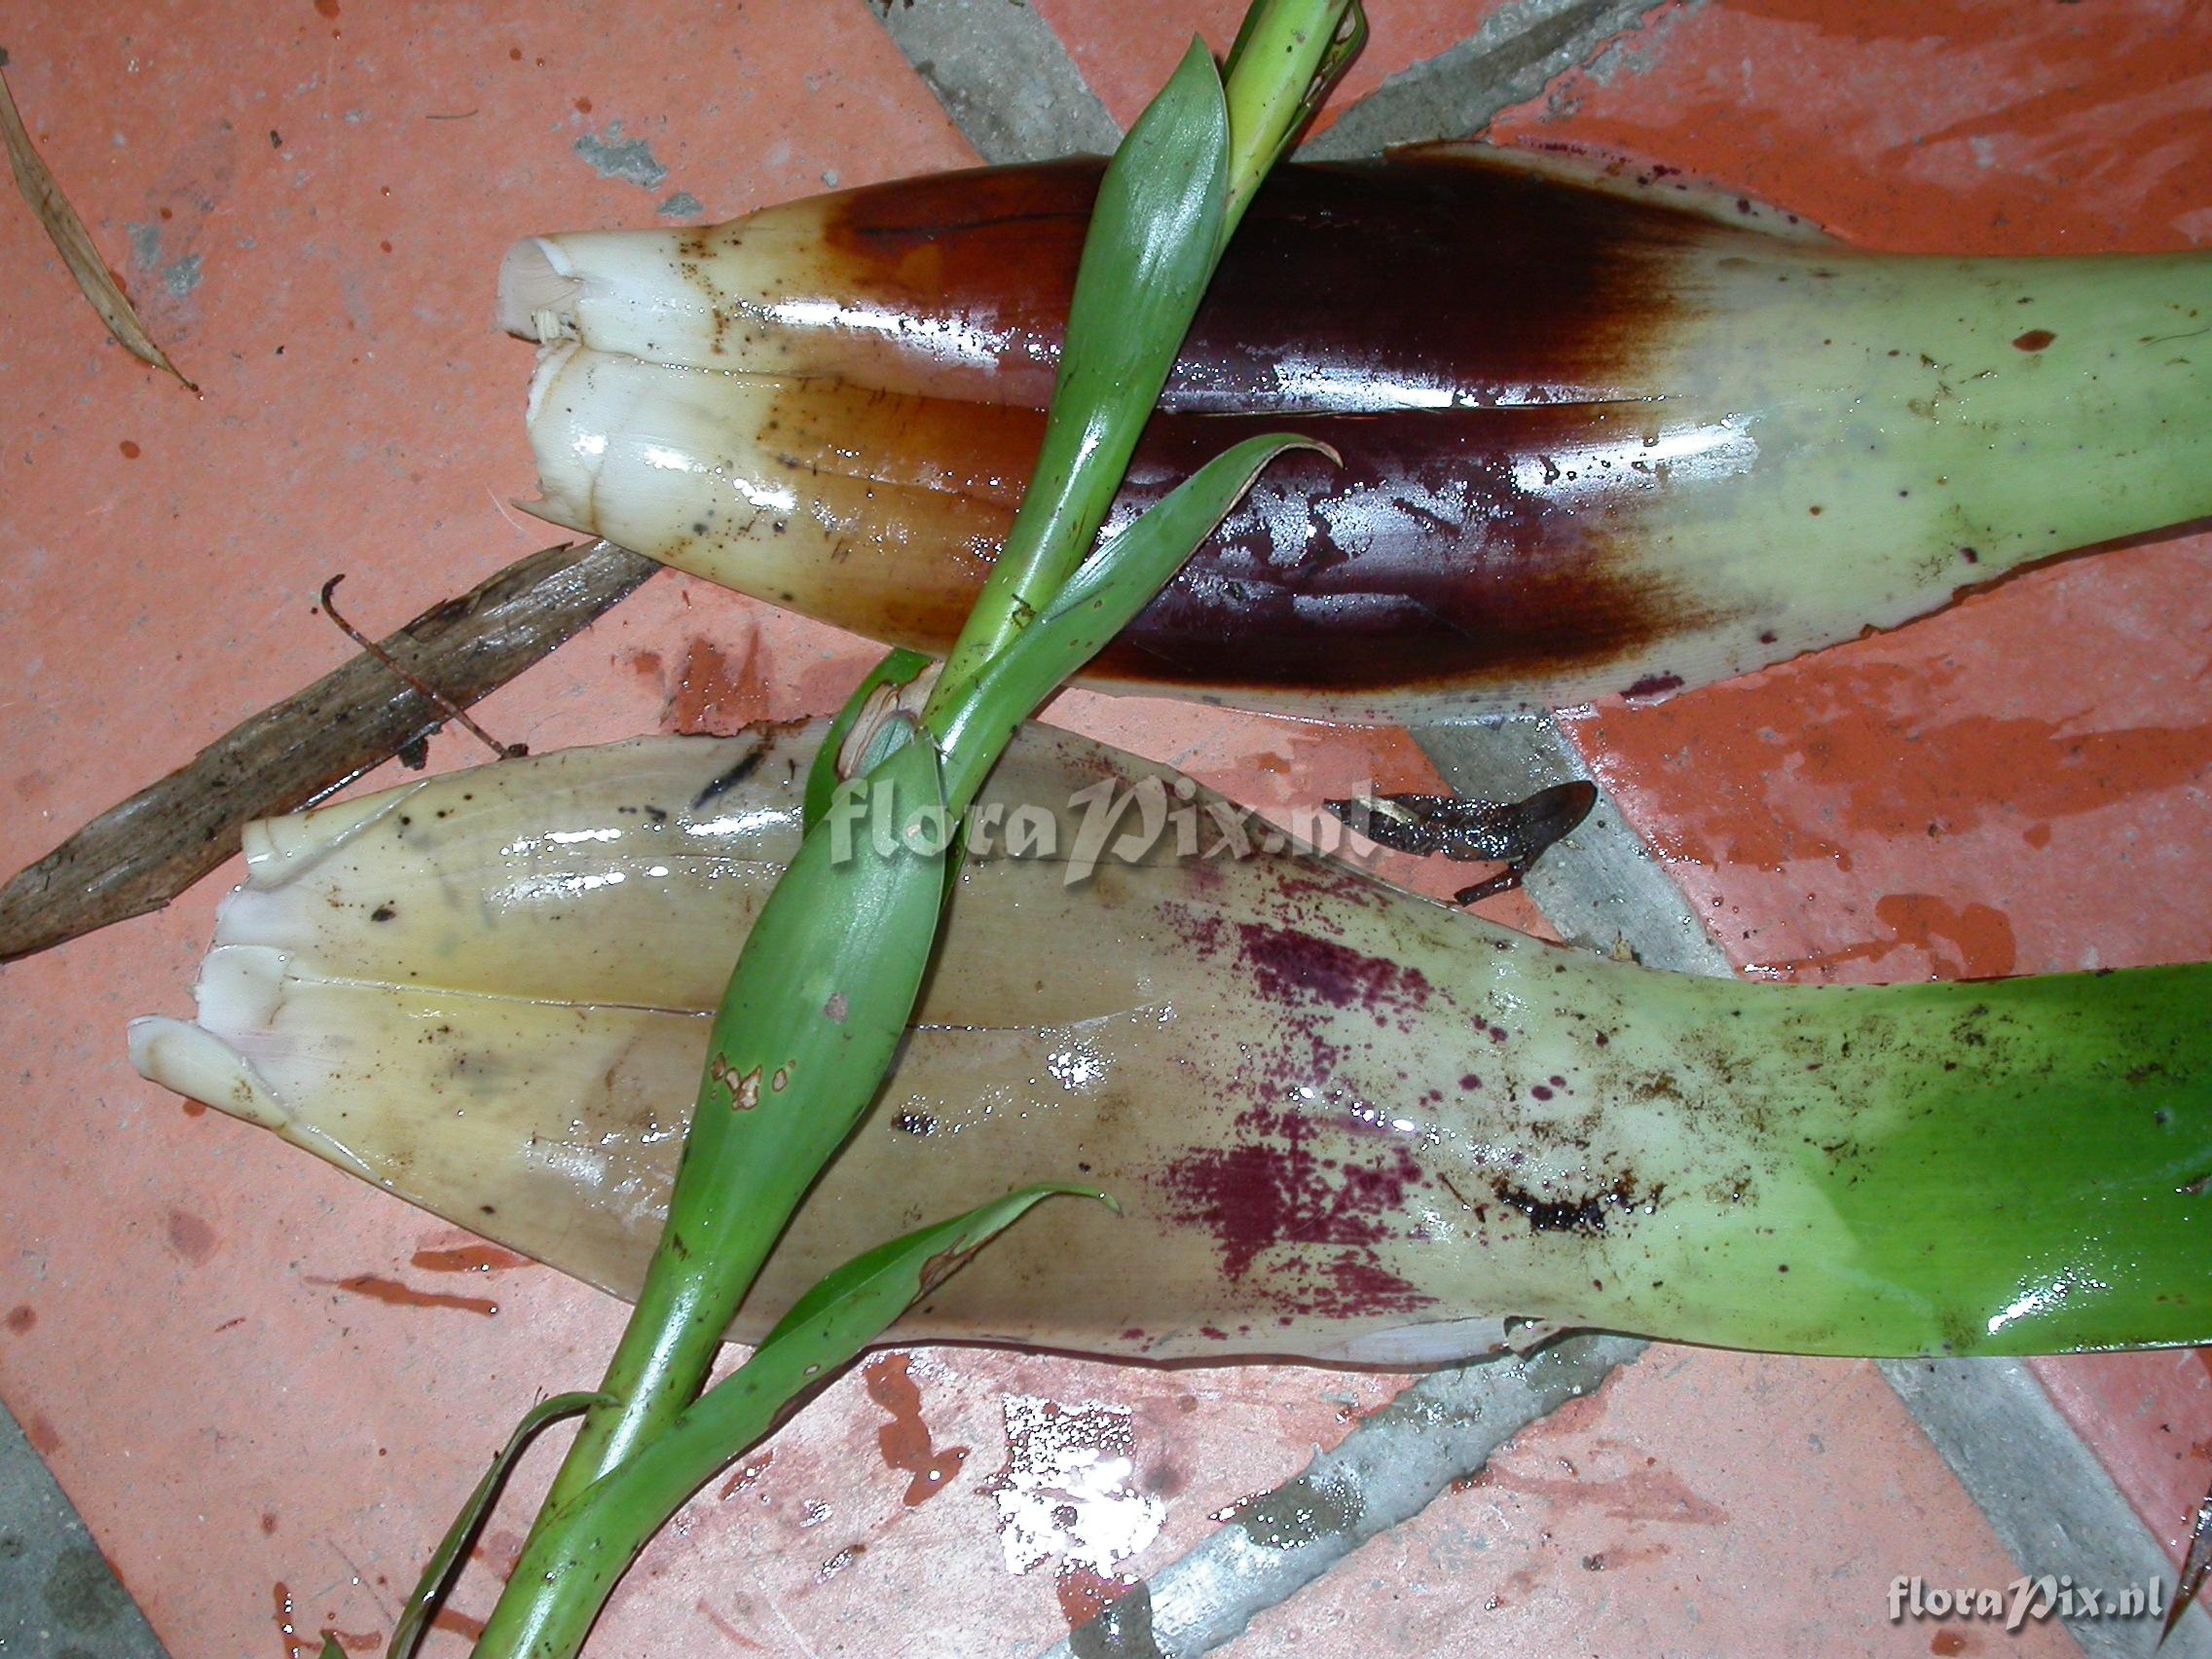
1601,433
1344,1123
820,998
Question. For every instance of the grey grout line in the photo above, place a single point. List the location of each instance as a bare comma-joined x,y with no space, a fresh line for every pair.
1003,76
1440,1430
2050,1503
1520,49
58,1596
1010,85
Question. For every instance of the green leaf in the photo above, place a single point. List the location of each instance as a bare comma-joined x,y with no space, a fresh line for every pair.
590,1542
819,1000
1098,601
849,1307
1156,234
824,1329
444,1561
900,667
814,1010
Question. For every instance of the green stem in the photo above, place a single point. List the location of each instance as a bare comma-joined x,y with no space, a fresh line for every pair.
578,1553
1286,58
666,1351
569,1567
749,1157
807,1026
1287,54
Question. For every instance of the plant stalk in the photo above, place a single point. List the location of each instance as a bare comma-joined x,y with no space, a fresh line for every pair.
823,989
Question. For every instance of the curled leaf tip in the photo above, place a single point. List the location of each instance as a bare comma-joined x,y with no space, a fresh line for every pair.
1064,1190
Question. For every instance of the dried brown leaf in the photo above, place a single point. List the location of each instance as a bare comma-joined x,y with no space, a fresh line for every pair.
74,243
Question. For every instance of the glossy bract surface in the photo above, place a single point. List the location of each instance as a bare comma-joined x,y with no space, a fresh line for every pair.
1599,432
1344,1123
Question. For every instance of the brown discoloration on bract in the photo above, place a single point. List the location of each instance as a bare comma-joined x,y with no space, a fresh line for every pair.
1567,1211
1422,561
1553,290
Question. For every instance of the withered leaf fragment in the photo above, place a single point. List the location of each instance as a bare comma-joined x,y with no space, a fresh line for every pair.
75,244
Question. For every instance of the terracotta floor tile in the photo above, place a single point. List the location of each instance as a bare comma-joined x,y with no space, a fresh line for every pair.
1699,1503
259,1447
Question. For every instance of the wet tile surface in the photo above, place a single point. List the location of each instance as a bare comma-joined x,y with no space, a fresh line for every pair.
310,200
